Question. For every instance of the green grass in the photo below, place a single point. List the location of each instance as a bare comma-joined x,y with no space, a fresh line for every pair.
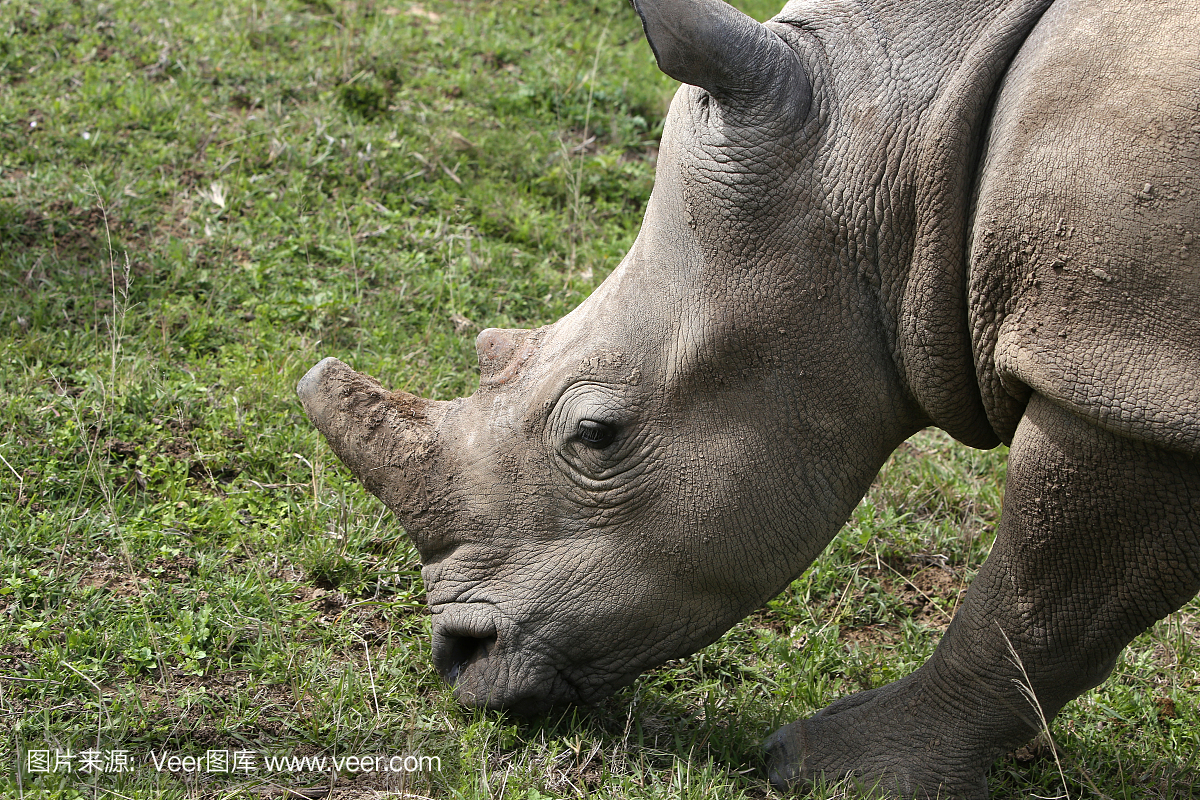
199,201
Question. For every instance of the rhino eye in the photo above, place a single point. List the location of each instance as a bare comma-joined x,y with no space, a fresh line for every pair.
596,434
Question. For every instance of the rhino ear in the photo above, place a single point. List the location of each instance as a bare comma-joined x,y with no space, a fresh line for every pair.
710,44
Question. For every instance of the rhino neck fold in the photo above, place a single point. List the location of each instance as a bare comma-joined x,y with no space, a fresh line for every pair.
936,351
920,78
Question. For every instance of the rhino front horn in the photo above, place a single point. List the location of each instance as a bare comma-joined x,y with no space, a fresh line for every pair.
387,439
710,44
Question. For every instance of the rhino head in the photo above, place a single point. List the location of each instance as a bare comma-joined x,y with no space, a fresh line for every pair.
630,481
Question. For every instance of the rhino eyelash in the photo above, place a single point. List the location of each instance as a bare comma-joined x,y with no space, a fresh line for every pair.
596,435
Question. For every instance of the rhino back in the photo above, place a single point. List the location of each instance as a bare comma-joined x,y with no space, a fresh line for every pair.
1084,273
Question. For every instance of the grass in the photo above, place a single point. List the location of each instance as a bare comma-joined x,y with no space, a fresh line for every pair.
199,201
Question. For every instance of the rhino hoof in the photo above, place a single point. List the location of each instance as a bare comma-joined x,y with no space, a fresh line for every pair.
784,751
797,756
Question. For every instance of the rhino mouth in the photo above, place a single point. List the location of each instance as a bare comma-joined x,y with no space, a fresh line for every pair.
475,650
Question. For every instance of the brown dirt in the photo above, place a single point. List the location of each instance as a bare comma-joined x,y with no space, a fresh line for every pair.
321,597
871,636
120,449
408,405
175,569
1039,749
75,233
116,581
762,620
931,592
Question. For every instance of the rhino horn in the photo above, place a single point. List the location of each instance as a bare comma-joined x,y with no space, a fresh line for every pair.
710,44
387,439
501,351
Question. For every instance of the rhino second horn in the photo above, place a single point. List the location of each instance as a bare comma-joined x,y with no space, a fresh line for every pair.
386,439
501,352
710,44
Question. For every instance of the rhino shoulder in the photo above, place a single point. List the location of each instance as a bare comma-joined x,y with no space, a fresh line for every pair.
1084,270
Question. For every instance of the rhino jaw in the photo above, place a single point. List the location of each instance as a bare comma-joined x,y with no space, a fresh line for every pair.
388,440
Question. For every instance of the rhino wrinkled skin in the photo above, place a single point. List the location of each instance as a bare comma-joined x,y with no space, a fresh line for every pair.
869,217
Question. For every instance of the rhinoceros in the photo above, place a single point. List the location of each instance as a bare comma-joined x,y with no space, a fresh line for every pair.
869,217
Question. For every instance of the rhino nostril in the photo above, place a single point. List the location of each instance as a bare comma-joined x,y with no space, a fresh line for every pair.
452,653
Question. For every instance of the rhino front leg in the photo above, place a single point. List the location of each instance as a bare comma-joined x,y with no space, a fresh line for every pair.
1099,538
